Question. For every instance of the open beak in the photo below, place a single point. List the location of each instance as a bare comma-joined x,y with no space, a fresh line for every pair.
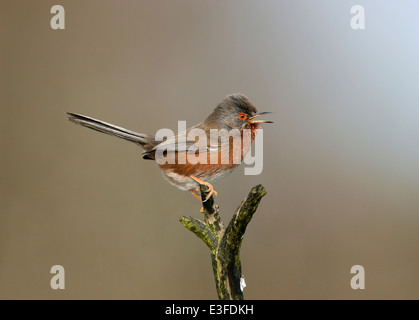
258,115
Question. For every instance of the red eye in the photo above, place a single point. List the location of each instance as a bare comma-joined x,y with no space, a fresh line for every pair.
242,116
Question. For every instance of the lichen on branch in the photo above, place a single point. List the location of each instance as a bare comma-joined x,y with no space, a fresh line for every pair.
223,242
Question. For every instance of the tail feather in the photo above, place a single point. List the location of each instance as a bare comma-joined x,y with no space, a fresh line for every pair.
141,139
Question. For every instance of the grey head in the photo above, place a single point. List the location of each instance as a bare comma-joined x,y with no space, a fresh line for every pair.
236,111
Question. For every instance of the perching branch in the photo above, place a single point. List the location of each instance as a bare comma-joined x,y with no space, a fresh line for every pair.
225,243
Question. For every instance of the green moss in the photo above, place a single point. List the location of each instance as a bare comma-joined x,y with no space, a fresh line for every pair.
225,243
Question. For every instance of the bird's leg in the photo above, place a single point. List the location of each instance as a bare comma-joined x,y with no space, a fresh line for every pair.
208,185
195,194
198,197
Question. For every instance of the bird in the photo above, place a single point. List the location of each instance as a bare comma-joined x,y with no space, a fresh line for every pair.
177,154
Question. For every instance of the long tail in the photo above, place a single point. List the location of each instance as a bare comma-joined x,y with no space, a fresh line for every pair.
143,140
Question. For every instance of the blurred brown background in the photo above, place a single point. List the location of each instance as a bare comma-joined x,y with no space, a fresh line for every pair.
341,162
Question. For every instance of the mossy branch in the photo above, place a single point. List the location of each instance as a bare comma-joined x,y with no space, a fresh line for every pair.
225,243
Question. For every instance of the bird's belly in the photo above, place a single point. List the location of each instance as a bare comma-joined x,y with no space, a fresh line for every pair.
180,181
185,182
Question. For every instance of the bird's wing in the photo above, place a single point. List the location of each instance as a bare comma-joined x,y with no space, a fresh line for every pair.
197,142
193,139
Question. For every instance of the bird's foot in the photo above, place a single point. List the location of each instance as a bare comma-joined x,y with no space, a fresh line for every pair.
208,185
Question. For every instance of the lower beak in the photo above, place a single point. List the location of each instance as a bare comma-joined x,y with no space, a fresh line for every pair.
258,115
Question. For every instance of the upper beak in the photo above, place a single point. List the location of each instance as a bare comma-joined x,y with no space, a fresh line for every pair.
258,115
